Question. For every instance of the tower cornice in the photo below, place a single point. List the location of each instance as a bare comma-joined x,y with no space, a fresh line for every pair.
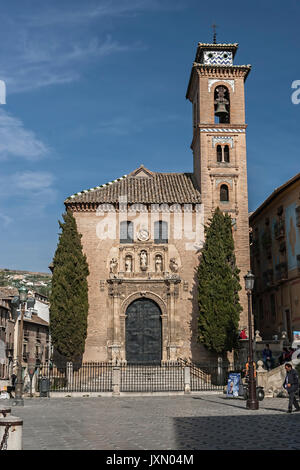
217,71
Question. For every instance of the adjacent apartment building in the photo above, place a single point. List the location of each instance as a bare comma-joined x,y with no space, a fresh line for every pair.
275,261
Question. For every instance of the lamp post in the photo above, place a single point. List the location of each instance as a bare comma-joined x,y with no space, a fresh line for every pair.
19,385
252,402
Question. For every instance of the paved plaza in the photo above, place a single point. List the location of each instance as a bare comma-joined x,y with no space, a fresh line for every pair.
162,423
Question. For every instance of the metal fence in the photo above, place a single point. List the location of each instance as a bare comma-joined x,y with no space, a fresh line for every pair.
86,377
210,377
145,377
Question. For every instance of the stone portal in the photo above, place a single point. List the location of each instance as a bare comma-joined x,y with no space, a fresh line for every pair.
143,332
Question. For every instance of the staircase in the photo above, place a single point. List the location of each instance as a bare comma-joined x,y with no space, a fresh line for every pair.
271,380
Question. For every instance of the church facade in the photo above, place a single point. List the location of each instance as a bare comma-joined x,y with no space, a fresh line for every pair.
142,233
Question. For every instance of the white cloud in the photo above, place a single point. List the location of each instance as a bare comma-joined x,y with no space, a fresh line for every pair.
49,45
33,180
102,9
26,193
6,220
125,125
17,141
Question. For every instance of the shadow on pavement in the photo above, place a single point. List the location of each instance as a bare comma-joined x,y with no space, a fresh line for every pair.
242,432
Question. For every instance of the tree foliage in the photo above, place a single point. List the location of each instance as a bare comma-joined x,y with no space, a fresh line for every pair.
218,286
69,296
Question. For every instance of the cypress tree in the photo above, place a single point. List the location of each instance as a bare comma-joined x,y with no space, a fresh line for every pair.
69,296
218,286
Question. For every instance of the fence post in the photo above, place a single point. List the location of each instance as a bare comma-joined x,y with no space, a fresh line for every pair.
69,375
116,381
220,371
11,430
187,380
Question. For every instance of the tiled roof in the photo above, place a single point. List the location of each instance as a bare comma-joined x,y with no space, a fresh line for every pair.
7,292
36,320
145,187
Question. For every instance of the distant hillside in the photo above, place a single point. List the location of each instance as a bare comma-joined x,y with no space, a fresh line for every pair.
39,282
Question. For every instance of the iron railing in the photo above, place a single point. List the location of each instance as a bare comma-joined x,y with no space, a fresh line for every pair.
210,377
139,377
86,377
149,377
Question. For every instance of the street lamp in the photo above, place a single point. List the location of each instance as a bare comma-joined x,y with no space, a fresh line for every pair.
23,295
252,402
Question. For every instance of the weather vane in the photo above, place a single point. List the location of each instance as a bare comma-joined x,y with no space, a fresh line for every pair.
214,26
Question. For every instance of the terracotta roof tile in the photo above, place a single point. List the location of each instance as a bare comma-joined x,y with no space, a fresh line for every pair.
7,292
145,187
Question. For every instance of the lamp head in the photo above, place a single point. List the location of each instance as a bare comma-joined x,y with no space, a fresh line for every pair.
249,281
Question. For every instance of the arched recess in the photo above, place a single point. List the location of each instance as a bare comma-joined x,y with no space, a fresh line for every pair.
224,193
222,101
138,295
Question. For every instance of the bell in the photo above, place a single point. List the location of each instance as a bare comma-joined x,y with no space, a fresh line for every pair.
221,110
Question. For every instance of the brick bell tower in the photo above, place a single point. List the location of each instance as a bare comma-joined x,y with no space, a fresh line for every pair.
216,91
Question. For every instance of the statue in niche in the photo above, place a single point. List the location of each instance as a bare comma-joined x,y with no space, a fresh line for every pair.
143,260
128,264
173,265
158,264
113,265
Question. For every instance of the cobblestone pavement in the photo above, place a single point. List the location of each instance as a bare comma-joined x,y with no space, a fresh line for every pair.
157,423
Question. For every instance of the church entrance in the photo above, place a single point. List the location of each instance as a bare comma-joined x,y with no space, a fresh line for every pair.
143,332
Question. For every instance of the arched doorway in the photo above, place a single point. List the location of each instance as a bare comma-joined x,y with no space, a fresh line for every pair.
143,332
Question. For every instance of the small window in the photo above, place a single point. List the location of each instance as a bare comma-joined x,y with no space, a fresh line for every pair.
160,232
224,193
126,232
226,154
219,153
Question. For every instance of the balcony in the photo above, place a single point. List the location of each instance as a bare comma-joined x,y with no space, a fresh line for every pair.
282,247
281,272
255,248
25,356
38,357
298,216
268,277
279,230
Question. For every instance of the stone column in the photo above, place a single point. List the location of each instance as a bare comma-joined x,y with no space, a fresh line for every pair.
261,375
115,294
69,375
116,381
187,380
172,292
11,430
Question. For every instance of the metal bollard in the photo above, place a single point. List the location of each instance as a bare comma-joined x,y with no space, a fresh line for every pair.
11,430
4,411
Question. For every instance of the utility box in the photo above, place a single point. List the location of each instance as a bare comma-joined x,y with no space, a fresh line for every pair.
44,387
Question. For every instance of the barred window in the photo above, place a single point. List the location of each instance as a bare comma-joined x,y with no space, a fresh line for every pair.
160,232
126,232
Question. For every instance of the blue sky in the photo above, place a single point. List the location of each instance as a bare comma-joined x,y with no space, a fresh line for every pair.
96,88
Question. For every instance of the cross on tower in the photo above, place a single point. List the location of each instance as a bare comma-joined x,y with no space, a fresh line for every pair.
214,26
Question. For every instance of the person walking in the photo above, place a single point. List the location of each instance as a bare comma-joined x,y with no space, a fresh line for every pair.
291,384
